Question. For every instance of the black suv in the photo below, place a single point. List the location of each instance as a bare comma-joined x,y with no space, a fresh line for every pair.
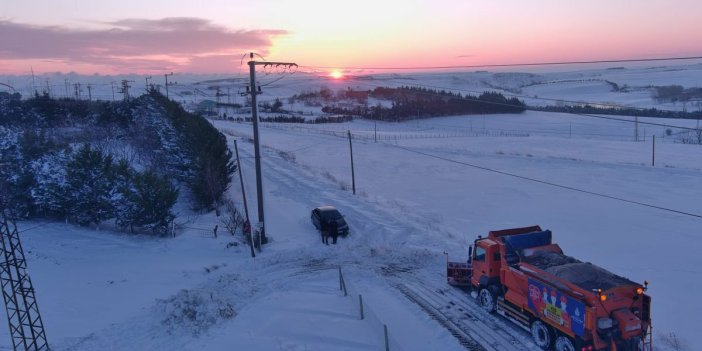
324,215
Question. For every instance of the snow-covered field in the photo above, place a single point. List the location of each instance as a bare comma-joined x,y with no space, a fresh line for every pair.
422,190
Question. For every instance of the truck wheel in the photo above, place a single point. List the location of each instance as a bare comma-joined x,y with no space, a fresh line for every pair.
541,334
487,300
563,343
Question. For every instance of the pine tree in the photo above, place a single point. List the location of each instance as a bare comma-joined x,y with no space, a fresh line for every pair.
124,206
91,178
51,193
146,201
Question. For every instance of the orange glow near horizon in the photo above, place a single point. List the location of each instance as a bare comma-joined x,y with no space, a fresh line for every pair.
336,74
112,38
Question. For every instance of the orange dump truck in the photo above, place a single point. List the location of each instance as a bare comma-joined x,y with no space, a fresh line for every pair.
565,304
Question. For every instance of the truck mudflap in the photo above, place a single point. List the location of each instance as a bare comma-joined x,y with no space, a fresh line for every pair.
458,273
633,344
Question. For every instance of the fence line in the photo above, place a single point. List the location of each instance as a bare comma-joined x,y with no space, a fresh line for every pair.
397,134
369,135
366,313
407,133
402,134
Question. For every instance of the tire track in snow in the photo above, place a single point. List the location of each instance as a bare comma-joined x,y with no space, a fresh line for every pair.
372,226
459,308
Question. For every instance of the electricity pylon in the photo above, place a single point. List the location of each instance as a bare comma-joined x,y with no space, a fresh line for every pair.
26,328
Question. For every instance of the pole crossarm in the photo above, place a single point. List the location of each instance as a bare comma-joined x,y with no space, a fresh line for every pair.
268,63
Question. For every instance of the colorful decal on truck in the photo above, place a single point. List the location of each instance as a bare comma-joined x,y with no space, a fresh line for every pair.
550,304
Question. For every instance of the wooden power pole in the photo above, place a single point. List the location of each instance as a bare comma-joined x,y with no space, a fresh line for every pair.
353,174
243,195
257,148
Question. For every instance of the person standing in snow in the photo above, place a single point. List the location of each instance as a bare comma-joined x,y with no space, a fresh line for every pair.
333,231
325,236
247,228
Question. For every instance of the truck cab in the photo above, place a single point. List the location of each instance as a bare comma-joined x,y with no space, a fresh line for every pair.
486,262
565,304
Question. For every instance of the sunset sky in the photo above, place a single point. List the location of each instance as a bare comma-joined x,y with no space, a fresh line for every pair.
210,36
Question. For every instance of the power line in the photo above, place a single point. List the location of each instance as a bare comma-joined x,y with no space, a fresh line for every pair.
549,183
34,227
528,108
418,68
611,197
529,179
540,98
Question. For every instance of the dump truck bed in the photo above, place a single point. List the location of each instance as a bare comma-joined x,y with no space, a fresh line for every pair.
583,274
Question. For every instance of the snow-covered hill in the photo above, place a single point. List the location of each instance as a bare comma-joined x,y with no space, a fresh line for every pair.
107,291
418,196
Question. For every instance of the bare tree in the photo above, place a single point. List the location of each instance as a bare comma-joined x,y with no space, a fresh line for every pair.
232,219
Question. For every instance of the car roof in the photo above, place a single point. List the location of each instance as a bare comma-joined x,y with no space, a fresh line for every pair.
326,208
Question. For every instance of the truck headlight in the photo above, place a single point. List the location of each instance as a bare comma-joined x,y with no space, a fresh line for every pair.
604,323
633,327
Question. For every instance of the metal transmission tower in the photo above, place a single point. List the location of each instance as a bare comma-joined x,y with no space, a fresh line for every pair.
218,93
257,148
26,327
166,76
125,88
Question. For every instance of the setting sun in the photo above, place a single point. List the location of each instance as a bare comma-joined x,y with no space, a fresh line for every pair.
336,74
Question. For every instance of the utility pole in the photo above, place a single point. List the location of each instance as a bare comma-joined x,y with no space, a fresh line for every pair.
76,86
48,88
34,87
653,153
243,195
166,76
65,82
146,87
353,175
113,90
636,129
257,148
90,92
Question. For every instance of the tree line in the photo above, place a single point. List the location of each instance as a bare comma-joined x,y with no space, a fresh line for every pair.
415,102
621,111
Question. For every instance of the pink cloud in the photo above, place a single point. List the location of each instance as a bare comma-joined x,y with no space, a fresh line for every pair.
132,45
